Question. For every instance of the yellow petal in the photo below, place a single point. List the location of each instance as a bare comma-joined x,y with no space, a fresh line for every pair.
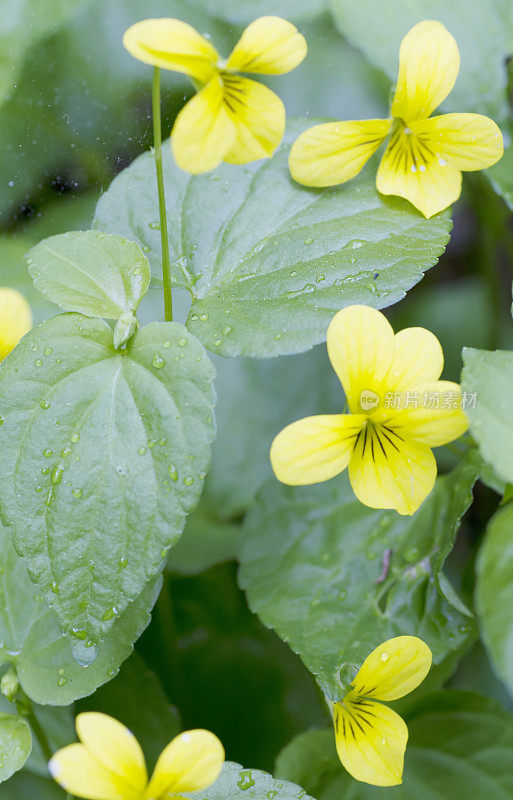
335,152
270,45
465,141
315,449
81,775
191,762
361,348
114,747
15,320
429,62
259,118
418,358
203,132
389,472
433,415
394,669
172,44
371,740
411,170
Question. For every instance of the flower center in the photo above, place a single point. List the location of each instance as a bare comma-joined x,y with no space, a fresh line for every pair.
377,440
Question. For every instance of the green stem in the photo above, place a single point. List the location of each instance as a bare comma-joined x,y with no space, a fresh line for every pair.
26,709
164,238
40,735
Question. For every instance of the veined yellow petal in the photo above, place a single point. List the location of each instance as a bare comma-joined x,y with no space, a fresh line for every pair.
387,471
360,344
334,152
203,132
465,141
429,61
315,449
81,775
411,170
418,357
393,670
114,747
371,740
270,45
191,762
172,44
433,415
15,319
258,115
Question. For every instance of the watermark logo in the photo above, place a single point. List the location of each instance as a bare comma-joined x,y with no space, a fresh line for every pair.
414,399
368,400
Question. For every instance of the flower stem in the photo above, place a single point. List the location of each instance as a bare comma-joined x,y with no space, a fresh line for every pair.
164,238
40,735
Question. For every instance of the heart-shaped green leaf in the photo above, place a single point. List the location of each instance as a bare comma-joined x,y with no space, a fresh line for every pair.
335,578
98,274
32,641
268,262
103,454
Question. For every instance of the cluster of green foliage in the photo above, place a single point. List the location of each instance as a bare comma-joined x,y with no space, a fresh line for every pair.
150,567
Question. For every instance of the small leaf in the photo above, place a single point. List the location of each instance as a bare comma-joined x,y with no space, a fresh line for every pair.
235,781
494,592
460,745
103,454
31,640
97,274
487,377
268,262
124,329
335,578
15,744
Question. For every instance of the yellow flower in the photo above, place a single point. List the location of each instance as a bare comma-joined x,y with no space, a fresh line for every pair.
370,737
108,764
398,411
425,155
231,118
15,319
